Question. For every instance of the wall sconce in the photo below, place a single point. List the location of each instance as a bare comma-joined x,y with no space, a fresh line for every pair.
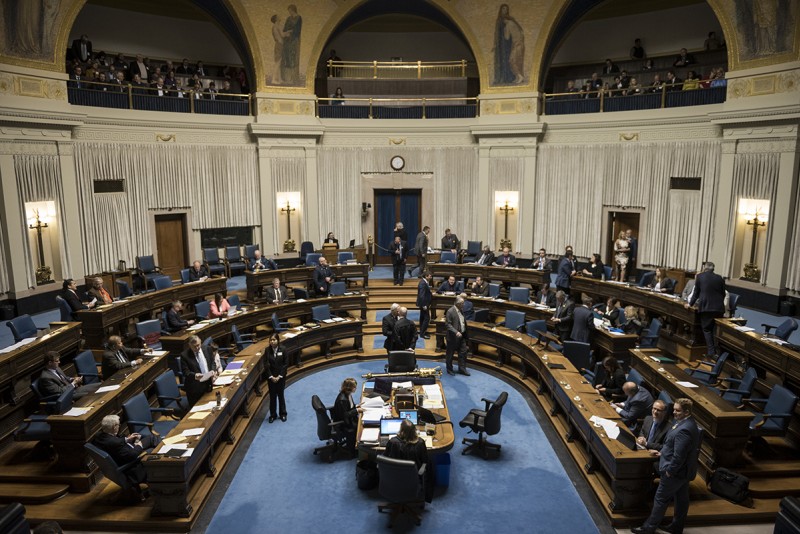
506,202
289,245
756,214
365,206
38,221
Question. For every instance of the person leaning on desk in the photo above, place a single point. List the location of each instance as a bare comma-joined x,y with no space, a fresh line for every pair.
407,445
346,411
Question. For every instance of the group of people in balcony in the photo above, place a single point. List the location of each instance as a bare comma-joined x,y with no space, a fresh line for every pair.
624,85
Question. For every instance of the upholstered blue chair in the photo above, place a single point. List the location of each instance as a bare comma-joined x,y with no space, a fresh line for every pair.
213,262
118,474
646,278
480,315
53,404
473,251
250,253
784,330
578,353
448,256
535,328
300,293
234,260
124,289
242,341
33,428
312,259
344,257
649,337
321,312
86,367
277,325
168,394
162,282
184,276
494,290
202,308
667,399
139,416
635,377
733,303
150,332
234,302
64,309
514,320
337,289
777,413
741,388
607,271
305,248
22,327
147,269
709,377
519,294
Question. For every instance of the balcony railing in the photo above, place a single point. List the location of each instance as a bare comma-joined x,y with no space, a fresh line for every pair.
398,108
394,70
604,101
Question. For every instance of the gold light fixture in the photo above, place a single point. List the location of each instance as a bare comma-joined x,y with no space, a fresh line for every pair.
506,201
38,222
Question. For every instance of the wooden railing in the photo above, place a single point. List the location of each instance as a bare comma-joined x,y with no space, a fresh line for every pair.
397,69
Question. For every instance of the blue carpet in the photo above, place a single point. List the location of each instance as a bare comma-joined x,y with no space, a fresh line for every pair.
281,486
413,315
379,339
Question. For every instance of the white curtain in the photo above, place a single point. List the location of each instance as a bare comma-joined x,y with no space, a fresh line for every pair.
39,180
793,276
4,285
754,176
219,184
505,174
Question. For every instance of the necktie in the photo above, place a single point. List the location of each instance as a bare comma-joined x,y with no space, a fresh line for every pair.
201,361
652,431
544,298
60,374
121,357
278,295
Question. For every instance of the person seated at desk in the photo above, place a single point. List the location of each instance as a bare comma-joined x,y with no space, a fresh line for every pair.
175,322
545,297
323,277
331,239
69,293
448,285
117,356
639,401
99,293
506,259
219,307
405,331
450,241
655,426
53,381
198,362
595,269
198,272
407,445
661,283
541,263
260,263
346,411
613,380
124,449
612,312
486,257
276,293
479,287
633,324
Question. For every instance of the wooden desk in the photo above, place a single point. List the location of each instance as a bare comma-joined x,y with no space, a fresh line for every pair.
259,315
258,280
70,433
680,334
767,356
110,280
490,273
443,439
99,323
332,254
726,427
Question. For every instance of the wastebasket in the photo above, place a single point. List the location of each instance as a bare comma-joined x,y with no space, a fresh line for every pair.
442,465
7,311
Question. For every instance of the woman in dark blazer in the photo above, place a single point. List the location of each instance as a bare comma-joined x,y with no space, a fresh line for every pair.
346,411
661,283
277,367
407,445
595,269
614,379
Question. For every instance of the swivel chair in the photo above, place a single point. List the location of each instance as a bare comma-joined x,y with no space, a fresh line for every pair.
202,309
741,388
514,320
139,416
776,415
473,251
277,325
168,394
150,332
646,278
519,294
344,257
448,256
305,248
579,354
332,433
401,361
337,289
125,290
23,327
184,276
312,259
161,281
486,421
402,485
118,474
784,330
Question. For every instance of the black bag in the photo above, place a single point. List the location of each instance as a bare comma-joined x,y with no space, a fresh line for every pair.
367,474
729,485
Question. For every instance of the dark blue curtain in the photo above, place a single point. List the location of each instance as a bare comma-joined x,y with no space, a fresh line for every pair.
409,214
384,211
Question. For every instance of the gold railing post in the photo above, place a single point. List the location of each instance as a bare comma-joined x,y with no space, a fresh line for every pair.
477,107
544,103
423,108
330,68
663,96
370,107
191,101
130,96
316,105
463,68
602,98
419,69
374,70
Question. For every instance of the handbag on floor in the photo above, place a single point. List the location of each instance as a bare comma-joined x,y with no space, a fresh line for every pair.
729,485
367,474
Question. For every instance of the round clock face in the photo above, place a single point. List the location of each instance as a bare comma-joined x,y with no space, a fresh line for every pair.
398,163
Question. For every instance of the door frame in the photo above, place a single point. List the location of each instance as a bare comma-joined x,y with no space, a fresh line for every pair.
191,239
608,239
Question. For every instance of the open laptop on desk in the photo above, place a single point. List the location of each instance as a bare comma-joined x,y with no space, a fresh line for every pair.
352,244
426,416
629,440
389,428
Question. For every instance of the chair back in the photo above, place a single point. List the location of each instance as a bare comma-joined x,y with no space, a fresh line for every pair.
167,390
535,327
480,315
211,255
491,424
650,337
184,276
234,302
786,328
324,431
137,412
162,282
202,309
64,308
241,343
276,324
447,256
519,294
635,377
494,290
401,361
667,399
233,253
149,332
607,272
108,466
300,293
719,365
733,303
337,289
250,252
344,257
399,480
305,248
320,312
22,327
780,405
743,389
515,319
312,259
86,367
124,288
54,404
474,248
578,353
146,264
646,278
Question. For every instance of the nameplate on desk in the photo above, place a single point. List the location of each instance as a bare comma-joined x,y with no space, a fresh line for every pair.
555,366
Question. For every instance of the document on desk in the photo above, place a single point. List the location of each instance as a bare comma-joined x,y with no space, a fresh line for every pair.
428,441
370,434
432,392
744,329
686,384
77,412
173,439
105,389
234,366
372,403
203,407
433,404
610,427
199,415
192,432
224,380
372,416
155,354
194,327
409,384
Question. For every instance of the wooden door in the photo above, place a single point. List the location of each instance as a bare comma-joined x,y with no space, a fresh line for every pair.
391,206
171,244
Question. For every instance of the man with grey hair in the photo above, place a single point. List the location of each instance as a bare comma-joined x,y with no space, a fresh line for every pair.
456,337
122,449
117,356
709,295
174,320
655,426
387,327
405,331
200,370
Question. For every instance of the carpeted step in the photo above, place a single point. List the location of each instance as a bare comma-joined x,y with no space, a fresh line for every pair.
31,493
774,487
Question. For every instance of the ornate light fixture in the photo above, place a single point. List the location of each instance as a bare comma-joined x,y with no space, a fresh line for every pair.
506,202
43,272
289,245
756,219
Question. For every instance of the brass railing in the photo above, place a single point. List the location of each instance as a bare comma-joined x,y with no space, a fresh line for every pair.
372,104
394,70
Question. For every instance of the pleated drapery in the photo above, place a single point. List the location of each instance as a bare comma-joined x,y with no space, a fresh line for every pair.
793,276
4,284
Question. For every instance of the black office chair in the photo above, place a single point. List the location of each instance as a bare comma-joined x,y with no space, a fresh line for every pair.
401,361
402,485
486,421
118,474
12,519
332,433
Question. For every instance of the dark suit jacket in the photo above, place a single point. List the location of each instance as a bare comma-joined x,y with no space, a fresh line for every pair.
112,364
709,293
122,453
74,301
334,240
661,432
565,268
50,384
481,290
405,334
343,412
263,263
512,260
277,361
613,383
681,449
582,324
424,295
450,243
488,259
398,258
387,329
320,273
272,296
445,286
76,49
636,407
194,276
667,285
545,264
174,321
401,450
421,244
550,298
195,389
565,313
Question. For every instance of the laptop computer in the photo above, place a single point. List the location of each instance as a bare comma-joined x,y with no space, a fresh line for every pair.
409,414
383,387
427,416
389,428
628,439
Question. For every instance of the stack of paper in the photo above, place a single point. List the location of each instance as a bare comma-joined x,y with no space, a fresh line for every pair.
610,427
108,388
77,412
370,434
432,391
744,329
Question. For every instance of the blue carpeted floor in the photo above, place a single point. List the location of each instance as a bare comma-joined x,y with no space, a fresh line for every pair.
281,486
413,315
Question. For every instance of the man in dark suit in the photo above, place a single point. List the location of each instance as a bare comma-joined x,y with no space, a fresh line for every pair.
185,68
677,466
486,257
562,318
709,294
261,263
82,48
655,426
117,356
70,294
456,338
583,321
424,298
421,250
479,287
450,285
197,272
545,297
506,259
633,247
387,327
122,449
138,66
197,361
399,251
541,263
405,331
53,381
276,293
174,320
323,277
450,241
566,270
636,406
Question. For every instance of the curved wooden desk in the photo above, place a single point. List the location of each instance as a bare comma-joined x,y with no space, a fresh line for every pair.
261,279
495,274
